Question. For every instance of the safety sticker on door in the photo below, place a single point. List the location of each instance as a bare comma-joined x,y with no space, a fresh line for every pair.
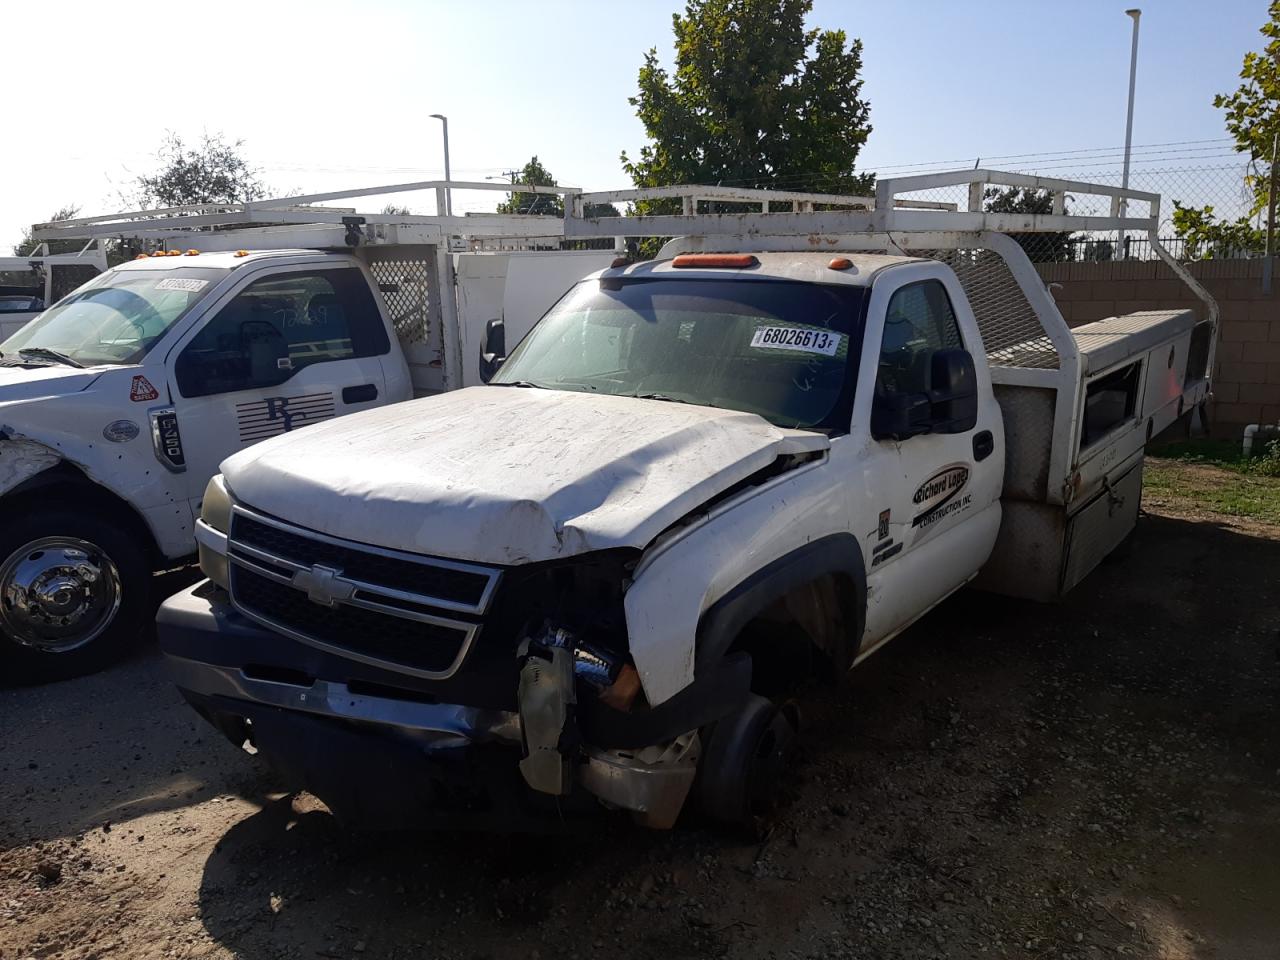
273,416
939,496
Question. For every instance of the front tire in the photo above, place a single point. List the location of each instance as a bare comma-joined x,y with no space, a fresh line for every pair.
745,763
74,594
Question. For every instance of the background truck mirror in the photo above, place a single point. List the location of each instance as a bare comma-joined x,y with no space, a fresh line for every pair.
953,392
493,348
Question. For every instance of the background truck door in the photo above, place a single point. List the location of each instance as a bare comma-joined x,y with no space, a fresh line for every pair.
932,484
291,348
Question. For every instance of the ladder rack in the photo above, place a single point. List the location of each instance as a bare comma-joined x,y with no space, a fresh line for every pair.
887,212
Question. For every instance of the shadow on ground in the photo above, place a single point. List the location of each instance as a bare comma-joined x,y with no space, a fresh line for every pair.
1098,776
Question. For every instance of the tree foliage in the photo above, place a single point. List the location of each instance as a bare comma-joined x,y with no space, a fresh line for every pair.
28,243
755,100
213,171
1040,247
1253,119
535,174
1208,238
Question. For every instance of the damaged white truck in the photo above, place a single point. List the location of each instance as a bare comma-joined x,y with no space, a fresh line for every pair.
118,402
589,582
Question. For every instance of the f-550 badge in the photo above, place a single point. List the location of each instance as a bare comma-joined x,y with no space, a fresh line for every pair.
937,496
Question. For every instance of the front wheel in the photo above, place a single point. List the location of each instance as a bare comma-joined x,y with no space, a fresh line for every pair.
746,761
74,592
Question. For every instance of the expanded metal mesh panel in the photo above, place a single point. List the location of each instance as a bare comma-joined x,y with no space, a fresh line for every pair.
1010,329
408,289
67,277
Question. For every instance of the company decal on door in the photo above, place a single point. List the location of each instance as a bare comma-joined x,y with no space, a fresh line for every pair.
941,495
273,416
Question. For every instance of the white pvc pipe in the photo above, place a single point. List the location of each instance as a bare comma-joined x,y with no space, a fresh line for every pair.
1250,432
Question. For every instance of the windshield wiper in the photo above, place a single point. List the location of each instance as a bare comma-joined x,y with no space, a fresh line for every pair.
657,396
48,354
519,383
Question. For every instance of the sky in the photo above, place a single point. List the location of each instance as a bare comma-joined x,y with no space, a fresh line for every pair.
334,95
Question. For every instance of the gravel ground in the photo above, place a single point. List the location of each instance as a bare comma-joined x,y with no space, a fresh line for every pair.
1100,777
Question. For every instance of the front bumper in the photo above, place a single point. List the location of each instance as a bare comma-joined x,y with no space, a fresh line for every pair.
382,751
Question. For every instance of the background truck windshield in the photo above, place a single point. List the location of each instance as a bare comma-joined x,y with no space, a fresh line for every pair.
774,348
116,317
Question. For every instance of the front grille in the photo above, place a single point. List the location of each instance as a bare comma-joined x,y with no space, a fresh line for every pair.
392,609
453,586
425,647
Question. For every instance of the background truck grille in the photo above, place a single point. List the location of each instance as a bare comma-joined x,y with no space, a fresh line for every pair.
396,610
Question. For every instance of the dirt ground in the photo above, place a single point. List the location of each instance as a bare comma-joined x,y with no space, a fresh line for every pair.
1096,778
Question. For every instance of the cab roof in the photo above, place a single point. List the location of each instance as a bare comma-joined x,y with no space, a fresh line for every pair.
806,266
222,260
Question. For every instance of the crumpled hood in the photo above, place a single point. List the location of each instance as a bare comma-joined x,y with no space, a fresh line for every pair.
30,383
508,475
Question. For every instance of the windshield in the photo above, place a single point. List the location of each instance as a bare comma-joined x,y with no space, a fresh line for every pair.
774,348
116,317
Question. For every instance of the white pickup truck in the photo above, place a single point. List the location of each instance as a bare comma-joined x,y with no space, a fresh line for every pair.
778,444
118,402
30,283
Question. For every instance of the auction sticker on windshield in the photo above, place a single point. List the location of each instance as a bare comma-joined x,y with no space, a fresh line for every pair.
805,339
182,283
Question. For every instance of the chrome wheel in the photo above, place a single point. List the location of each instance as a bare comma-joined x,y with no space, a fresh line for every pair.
58,594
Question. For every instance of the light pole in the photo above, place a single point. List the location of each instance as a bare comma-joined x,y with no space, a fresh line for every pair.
1135,14
448,193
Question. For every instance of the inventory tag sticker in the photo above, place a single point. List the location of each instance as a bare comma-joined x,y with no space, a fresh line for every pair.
182,283
804,339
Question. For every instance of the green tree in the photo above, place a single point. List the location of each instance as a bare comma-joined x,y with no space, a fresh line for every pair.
1253,119
213,171
28,243
1208,238
755,100
1040,247
535,174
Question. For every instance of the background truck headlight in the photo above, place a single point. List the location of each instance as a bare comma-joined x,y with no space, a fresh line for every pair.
211,531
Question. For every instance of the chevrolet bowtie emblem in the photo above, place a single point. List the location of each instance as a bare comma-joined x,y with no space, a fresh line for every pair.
323,586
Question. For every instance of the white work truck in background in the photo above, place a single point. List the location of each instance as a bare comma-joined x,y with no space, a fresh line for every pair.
592,580
118,402
30,283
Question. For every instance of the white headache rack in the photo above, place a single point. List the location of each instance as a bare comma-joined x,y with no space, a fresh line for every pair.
300,222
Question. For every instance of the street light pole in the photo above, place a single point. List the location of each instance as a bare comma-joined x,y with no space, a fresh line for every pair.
448,193
1135,14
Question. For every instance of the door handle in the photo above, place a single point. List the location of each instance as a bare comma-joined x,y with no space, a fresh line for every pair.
984,444
361,394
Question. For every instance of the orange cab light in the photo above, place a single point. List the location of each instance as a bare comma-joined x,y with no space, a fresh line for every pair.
143,256
175,253
242,253
840,263
731,260
193,253
619,262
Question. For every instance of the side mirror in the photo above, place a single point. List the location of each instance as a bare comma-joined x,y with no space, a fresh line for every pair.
953,391
950,405
493,349
897,416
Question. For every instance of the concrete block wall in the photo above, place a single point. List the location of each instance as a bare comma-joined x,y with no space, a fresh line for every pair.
1247,369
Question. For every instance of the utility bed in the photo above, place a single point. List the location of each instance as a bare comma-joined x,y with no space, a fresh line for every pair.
1079,405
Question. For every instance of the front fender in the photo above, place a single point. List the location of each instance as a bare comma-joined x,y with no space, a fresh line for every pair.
681,579
21,459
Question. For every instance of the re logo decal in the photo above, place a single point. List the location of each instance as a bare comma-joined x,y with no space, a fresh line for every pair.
142,390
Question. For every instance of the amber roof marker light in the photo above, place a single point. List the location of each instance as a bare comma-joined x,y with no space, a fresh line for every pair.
721,260
840,263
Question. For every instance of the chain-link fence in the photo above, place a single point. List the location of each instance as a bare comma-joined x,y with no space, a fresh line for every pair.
1206,212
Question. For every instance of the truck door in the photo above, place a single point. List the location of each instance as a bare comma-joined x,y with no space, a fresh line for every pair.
934,508
288,349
